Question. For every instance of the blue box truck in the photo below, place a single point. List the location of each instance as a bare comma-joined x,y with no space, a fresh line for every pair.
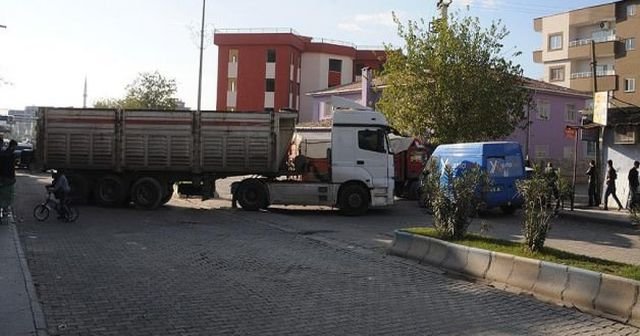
501,160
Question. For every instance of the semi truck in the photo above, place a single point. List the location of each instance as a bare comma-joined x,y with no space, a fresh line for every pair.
117,156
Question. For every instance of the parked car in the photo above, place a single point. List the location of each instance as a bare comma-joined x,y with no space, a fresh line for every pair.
24,155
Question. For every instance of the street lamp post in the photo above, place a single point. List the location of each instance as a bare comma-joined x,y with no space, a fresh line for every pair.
201,48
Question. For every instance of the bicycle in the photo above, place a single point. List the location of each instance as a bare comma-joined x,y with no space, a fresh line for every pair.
66,211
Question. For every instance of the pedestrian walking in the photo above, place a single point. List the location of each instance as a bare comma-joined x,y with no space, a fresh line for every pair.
592,174
612,175
633,185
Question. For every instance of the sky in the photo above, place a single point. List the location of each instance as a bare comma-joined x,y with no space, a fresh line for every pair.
49,47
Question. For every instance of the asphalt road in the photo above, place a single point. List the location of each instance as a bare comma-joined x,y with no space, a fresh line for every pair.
201,268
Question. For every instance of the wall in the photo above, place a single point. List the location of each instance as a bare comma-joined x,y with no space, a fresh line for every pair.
628,63
622,157
550,133
314,76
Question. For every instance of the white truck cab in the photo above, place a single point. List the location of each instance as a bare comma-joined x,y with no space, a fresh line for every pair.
353,171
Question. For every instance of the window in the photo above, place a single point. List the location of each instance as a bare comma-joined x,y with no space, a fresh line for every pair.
631,10
555,42
629,85
335,65
232,85
270,85
567,152
371,140
543,108
233,56
542,151
630,44
271,55
591,148
557,74
570,112
625,135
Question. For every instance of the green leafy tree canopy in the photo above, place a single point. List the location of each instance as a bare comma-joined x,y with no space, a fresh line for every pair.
451,80
150,90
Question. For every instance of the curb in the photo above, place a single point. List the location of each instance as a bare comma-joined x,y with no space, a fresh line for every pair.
36,310
600,294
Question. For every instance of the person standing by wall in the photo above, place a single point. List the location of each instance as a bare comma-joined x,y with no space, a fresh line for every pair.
633,185
551,174
612,175
7,177
592,174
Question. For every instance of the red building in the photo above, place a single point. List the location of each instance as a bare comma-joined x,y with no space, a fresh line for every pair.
273,69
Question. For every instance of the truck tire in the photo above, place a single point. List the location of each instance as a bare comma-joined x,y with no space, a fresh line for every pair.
147,193
353,200
110,190
412,190
252,195
80,188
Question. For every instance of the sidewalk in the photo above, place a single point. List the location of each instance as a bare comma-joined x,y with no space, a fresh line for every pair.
20,312
581,210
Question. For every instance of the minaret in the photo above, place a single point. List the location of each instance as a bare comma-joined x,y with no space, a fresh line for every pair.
84,95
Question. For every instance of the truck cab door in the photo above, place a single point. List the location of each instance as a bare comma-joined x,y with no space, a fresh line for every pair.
372,155
362,154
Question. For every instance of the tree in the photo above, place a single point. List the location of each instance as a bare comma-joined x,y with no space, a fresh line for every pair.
150,90
453,81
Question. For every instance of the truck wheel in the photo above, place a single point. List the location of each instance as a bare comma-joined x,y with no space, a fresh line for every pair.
80,188
412,192
168,194
110,190
252,195
353,200
147,193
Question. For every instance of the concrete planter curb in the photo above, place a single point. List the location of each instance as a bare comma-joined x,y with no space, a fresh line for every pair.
600,294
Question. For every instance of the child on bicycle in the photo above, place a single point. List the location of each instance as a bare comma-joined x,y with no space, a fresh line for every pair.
61,189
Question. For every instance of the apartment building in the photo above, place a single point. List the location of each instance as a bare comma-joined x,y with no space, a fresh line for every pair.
264,69
567,49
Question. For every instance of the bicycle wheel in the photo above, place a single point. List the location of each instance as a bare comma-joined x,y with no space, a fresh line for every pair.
72,214
41,212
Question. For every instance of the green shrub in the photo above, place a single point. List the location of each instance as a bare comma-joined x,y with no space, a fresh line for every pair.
453,198
538,206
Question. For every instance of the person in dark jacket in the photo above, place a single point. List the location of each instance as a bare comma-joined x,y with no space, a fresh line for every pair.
592,174
612,175
7,176
633,185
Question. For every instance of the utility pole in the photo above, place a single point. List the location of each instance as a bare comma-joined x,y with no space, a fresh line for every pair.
594,75
84,94
443,5
201,49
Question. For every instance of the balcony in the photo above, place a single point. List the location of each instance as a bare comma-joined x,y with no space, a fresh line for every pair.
580,49
537,25
594,14
537,56
607,80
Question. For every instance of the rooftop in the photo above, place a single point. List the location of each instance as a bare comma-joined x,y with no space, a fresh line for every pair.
378,82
